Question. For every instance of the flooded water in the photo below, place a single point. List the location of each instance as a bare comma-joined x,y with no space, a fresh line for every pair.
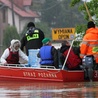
48,90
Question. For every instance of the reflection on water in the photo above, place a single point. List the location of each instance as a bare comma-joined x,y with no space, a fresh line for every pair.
48,90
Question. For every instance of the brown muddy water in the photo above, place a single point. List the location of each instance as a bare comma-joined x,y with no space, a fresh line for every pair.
48,90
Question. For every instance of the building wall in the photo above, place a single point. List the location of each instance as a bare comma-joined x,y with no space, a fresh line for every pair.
19,22
24,22
16,19
3,24
10,17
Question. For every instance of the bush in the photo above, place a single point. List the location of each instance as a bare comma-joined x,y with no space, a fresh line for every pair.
10,33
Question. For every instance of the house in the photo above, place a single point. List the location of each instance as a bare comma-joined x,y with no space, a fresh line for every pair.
17,13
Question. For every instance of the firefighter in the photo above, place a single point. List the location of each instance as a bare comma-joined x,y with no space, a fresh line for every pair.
89,42
33,38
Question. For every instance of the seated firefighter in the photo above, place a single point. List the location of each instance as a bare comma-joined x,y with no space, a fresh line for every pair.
13,54
48,54
73,61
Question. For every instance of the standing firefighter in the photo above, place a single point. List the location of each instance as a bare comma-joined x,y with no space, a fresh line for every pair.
90,40
33,38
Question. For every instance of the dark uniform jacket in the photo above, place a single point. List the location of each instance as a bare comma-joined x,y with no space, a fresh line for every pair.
32,40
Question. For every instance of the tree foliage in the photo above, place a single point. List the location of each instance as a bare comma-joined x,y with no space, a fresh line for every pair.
92,11
92,8
73,2
59,13
51,10
45,28
10,33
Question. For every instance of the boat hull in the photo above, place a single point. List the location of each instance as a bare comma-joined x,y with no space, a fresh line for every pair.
42,74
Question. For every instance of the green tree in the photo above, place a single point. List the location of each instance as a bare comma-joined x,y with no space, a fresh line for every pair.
45,28
50,12
59,13
72,15
92,7
10,33
89,10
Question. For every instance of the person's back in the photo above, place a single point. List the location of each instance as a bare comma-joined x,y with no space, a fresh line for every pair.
73,60
48,54
90,40
32,39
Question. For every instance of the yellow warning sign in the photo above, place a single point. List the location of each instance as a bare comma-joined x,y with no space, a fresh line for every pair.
63,33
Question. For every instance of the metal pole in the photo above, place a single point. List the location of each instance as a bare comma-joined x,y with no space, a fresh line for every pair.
13,18
67,55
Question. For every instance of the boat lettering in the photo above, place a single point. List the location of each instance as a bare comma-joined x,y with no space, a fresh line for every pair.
29,74
96,74
40,74
47,75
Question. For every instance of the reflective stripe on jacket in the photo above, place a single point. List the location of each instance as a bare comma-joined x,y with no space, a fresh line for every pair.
90,41
33,35
46,56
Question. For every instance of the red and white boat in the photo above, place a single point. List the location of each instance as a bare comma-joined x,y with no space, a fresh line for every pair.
42,74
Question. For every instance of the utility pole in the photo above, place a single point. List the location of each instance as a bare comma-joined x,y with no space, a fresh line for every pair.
13,18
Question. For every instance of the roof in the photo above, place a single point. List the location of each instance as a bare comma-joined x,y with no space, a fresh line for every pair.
27,2
19,11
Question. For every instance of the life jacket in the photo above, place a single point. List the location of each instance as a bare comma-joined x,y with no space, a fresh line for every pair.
73,60
46,56
13,57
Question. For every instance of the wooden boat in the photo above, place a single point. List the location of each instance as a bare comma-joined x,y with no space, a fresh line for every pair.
42,74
